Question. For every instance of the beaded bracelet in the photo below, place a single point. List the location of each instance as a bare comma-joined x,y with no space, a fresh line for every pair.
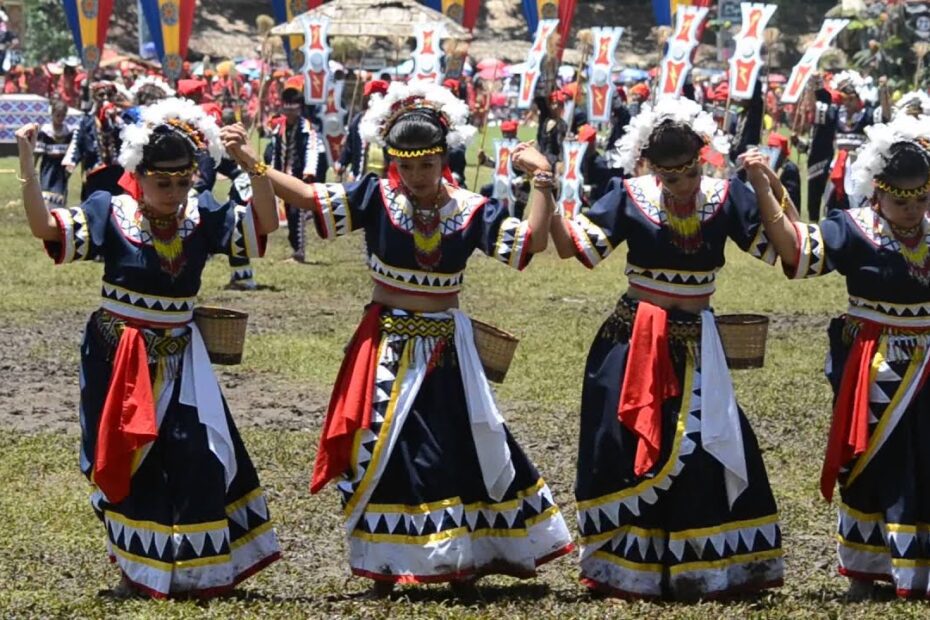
259,169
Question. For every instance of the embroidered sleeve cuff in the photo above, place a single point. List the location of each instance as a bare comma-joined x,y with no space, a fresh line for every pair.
810,261
513,241
331,213
246,242
762,248
591,242
72,241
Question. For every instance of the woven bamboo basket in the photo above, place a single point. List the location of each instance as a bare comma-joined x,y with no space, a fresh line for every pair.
743,337
495,348
223,331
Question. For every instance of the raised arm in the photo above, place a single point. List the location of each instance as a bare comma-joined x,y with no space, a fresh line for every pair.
235,139
41,222
541,201
775,207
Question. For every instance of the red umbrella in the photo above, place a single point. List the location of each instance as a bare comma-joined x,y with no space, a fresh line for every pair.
777,78
494,73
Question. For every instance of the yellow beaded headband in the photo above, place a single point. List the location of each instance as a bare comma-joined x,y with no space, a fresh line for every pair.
679,169
411,153
172,172
903,193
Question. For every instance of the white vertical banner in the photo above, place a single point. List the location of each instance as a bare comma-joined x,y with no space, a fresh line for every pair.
572,183
677,62
600,86
746,62
333,121
802,71
316,51
427,57
534,61
503,174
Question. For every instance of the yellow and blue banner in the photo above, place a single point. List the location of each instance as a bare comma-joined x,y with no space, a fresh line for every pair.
535,10
464,12
170,23
88,21
284,11
664,10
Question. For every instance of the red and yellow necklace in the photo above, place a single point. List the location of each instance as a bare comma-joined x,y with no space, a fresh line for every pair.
427,232
166,239
912,245
683,222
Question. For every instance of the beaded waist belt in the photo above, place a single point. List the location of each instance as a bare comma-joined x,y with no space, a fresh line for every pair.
110,328
620,322
853,325
414,325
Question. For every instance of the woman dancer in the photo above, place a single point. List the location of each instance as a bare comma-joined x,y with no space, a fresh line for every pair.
173,483
434,487
673,497
878,361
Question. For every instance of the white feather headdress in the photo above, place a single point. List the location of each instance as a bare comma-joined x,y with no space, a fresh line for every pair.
872,158
916,97
684,111
853,79
400,98
151,81
183,114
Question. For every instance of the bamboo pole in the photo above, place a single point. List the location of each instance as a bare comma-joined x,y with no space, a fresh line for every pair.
484,129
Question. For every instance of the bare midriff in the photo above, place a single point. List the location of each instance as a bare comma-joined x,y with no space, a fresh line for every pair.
686,304
413,303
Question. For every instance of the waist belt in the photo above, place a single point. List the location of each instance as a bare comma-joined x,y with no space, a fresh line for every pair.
619,325
110,328
413,326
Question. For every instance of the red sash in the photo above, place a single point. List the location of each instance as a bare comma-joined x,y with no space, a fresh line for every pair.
849,431
128,420
648,382
351,402
838,174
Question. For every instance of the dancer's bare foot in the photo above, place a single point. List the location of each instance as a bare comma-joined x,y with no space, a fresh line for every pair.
859,590
125,589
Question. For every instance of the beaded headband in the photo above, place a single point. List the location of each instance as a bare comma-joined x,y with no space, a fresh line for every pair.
411,153
685,167
897,192
183,170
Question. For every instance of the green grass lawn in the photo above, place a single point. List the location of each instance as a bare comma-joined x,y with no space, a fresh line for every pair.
52,550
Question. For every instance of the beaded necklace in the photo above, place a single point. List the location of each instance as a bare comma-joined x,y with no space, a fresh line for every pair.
683,222
427,234
165,239
912,245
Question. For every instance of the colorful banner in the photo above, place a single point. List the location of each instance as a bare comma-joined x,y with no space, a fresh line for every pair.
689,20
664,10
600,86
88,21
808,63
285,11
170,23
539,10
534,61
333,121
427,56
464,12
572,182
503,174
747,59
314,52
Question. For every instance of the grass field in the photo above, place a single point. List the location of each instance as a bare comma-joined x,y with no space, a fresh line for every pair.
52,550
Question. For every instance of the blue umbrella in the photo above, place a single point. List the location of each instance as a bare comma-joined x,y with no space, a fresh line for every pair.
631,75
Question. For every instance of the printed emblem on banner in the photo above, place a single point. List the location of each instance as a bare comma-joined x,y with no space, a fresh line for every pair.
315,56
89,8
169,14
297,7
91,57
677,61
808,63
534,60
747,61
428,53
455,12
600,88
549,10
173,65
572,183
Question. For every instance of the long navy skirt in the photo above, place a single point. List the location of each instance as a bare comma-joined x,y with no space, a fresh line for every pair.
670,532
180,531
